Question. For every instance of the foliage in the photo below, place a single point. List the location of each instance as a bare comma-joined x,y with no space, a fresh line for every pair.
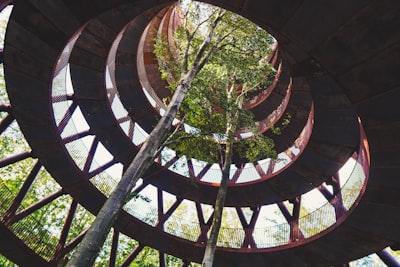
40,229
237,66
5,262
257,148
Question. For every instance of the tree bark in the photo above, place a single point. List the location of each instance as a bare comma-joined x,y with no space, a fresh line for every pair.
211,245
95,237
218,209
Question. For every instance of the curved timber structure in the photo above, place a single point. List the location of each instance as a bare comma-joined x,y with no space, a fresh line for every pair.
84,90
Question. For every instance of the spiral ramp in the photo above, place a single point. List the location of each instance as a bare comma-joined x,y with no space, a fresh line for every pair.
81,78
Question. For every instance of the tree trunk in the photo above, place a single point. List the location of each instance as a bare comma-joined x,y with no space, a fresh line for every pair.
208,257
219,206
94,239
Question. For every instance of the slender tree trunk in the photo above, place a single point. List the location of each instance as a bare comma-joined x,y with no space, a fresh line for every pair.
94,239
219,206
209,253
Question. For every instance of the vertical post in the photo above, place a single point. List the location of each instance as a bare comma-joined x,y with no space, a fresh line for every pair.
337,202
60,251
162,259
191,169
160,209
271,167
90,157
114,248
295,233
248,227
204,226
67,117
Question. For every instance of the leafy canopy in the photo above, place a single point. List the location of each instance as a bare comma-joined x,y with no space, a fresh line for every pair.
238,65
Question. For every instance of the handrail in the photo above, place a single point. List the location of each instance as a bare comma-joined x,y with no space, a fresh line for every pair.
320,221
278,235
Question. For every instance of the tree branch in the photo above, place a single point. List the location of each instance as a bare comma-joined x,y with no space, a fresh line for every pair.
206,42
166,142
